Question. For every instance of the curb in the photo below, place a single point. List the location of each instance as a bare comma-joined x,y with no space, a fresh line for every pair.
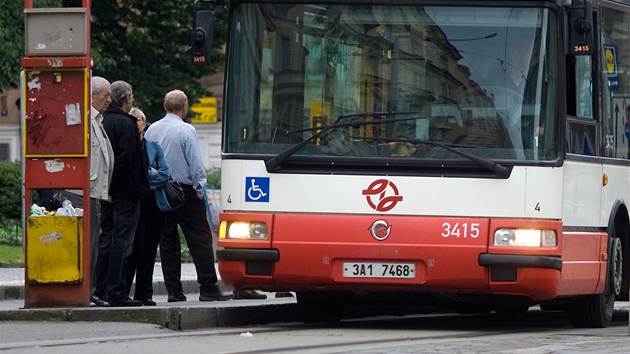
174,318
11,264
16,292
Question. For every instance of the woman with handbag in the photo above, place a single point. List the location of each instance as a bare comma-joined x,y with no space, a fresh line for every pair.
153,210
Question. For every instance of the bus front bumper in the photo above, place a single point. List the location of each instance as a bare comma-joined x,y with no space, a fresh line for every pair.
533,276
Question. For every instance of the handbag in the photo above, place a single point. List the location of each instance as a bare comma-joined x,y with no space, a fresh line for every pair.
174,194
173,191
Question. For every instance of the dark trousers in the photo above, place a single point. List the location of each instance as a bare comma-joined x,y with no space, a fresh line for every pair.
141,262
192,219
119,219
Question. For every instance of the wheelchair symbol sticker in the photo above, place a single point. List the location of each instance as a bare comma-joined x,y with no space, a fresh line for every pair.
257,189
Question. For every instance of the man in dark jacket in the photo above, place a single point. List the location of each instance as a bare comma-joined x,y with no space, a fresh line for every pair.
130,183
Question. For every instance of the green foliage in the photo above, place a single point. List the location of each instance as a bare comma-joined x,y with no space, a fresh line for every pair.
11,206
12,49
11,190
10,233
213,178
12,40
147,43
143,42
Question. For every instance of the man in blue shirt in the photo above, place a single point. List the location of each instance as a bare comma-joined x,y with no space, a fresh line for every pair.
183,155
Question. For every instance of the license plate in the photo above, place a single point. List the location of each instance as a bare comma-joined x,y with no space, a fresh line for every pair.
379,270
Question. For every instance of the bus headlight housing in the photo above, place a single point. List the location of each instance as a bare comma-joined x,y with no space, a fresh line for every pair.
526,237
245,230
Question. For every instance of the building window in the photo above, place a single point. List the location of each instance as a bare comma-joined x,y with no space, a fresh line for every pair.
5,152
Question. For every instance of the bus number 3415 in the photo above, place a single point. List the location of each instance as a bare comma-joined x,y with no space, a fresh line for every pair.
460,230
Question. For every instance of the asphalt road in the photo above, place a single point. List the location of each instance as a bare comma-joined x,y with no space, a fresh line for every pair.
535,332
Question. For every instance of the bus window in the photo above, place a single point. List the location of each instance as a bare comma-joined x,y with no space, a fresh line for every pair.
484,83
582,128
584,88
615,58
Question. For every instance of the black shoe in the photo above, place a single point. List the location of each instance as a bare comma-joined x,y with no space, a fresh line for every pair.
248,294
96,302
125,302
176,297
148,302
217,295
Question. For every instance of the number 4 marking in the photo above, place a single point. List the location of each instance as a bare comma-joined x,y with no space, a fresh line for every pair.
537,207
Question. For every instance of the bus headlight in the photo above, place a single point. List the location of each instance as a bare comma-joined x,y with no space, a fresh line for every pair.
248,230
525,238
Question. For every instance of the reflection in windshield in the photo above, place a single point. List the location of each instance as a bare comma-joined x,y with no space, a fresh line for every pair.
478,78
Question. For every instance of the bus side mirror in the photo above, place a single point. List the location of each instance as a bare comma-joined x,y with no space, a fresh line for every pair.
202,36
581,39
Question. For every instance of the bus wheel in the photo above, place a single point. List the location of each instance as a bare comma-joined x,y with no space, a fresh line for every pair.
596,311
617,267
316,307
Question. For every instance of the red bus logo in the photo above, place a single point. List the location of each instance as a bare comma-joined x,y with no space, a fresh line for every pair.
382,195
380,230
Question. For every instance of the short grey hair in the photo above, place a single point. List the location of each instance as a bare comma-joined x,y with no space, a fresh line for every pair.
97,84
120,90
175,100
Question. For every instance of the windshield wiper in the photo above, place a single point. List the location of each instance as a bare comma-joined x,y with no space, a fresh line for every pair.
489,164
274,162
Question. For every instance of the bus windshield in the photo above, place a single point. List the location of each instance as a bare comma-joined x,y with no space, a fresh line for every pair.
405,81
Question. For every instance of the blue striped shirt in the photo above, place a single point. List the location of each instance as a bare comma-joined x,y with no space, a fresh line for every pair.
181,149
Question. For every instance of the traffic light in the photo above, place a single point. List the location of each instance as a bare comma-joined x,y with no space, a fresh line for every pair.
203,34
581,38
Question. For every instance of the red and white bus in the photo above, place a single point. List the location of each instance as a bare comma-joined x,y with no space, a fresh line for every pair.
470,153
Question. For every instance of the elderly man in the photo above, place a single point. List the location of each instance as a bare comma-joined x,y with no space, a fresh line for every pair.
101,167
183,155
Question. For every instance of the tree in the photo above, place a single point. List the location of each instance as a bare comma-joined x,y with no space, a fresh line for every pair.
147,43
143,42
12,51
12,40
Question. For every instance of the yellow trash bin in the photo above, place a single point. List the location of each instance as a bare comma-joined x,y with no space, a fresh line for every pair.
53,249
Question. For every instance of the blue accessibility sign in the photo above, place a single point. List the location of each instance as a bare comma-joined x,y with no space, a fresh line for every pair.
257,189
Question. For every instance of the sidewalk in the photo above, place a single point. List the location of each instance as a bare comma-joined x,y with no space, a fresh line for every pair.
12,281
191,314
